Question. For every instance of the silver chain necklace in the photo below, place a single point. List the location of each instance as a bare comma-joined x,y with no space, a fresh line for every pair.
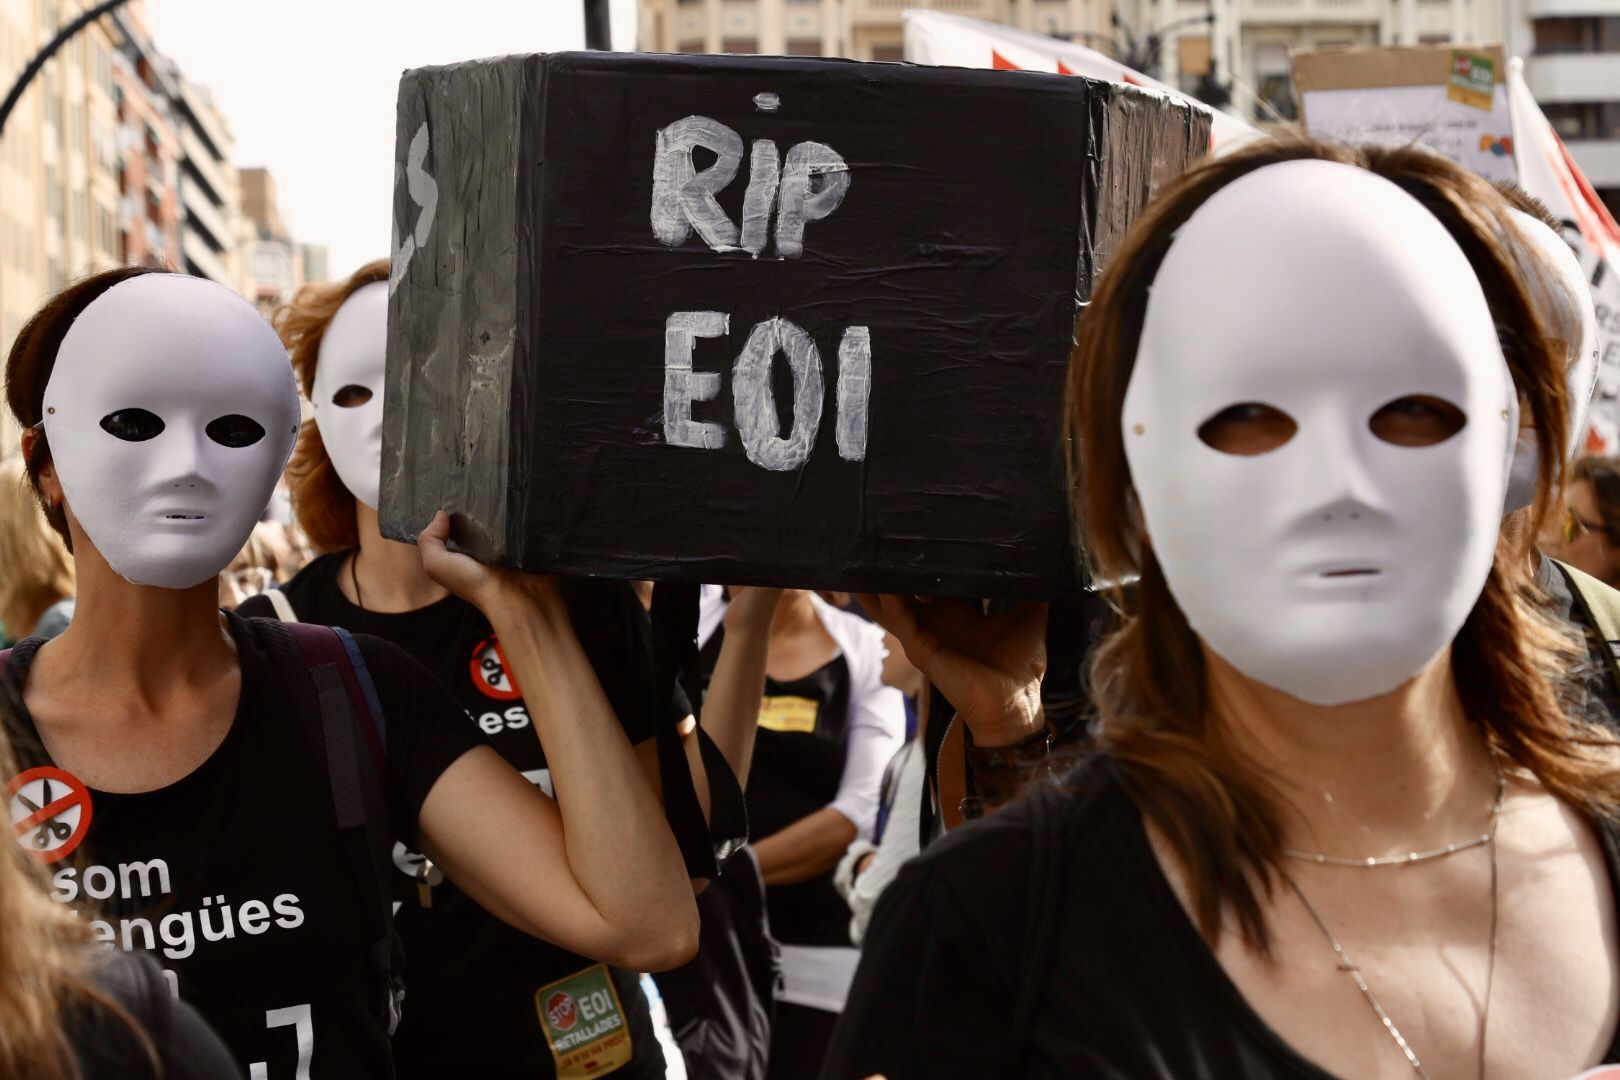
1349,967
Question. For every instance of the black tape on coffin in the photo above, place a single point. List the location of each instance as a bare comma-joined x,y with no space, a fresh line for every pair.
543,384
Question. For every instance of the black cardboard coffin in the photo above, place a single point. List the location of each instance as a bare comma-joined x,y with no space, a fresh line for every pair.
752,320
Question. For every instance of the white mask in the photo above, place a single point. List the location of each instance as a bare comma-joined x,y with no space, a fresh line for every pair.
1337,565
348,389
170,413
1583,360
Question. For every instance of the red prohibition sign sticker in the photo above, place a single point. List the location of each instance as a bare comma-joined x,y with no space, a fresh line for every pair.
490,672
50,812
1602,1072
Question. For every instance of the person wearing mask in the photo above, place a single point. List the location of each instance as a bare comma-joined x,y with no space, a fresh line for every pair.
36,571
1340,820
481,992
828,724
1584,534
212,777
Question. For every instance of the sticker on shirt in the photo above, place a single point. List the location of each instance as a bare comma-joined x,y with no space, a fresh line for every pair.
490,672
584,1024
790,714
1602,1072
50,812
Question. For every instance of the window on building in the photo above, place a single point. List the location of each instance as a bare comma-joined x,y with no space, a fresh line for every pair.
739,45
1274,82
1577,34
888,52
804,46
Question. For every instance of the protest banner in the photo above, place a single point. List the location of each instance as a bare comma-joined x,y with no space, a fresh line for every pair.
752,320
940,38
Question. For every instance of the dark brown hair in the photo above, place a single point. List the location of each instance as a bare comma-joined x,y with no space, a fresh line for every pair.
1216,810
325,507
33,358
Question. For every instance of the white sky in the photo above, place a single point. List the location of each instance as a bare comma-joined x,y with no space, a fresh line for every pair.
309,86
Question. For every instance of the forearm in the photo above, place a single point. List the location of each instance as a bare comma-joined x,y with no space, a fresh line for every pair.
616,839
731,706
805,849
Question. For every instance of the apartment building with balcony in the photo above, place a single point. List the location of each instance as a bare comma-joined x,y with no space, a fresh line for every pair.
149,148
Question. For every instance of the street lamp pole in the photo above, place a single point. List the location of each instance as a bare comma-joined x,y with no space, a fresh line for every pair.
62,37
598,26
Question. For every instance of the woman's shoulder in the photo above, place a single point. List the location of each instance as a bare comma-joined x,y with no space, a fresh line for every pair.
1063,820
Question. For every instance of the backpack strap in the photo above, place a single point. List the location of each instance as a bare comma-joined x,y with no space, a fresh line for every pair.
1602,605
705,845
283,606
342,718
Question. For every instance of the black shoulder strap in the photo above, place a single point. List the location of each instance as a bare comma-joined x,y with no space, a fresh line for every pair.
332,692
705,845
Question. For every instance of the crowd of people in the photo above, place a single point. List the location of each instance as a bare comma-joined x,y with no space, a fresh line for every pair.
1319,777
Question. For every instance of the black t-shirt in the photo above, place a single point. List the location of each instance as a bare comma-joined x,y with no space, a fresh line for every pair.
482,997
1131,989
798,762
234,877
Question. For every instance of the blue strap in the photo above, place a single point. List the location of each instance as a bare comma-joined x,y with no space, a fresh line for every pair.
362,675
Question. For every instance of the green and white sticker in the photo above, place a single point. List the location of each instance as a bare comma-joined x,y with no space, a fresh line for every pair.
584,1024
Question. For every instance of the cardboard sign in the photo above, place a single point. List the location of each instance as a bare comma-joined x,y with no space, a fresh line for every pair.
1453,101
752,320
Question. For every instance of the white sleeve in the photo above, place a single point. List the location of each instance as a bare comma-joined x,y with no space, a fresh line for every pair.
898,846
877,725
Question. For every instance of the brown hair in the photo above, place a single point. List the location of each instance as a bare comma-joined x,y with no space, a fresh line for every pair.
1603,474
1214,808
47,957
33,358
35,568
325,507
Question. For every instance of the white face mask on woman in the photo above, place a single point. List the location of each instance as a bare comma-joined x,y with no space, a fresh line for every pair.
348,390
170,414
1312,341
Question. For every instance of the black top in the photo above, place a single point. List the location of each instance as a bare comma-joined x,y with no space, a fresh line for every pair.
1131,988
797,765
477,989
108,1048
234,876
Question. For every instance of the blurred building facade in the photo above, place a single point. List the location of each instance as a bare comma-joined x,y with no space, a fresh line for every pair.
113,156
272,264
1212,48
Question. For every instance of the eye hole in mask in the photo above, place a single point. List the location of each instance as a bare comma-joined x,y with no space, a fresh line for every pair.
1247,429
1417,420
132,425
234,430
351,397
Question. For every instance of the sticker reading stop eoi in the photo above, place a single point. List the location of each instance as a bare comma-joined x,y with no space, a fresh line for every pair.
50,812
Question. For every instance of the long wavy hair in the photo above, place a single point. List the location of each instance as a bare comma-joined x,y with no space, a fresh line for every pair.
1217,811
323,504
